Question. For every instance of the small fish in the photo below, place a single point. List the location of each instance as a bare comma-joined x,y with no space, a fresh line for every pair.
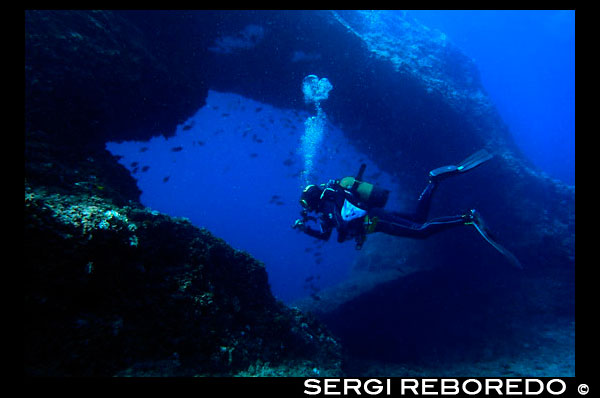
165,179
279,203
308,249
288,162
177,149
258,109
201,143
315,297
309,278
256,139
134,164
275,199
254,155
225,114
143,149
188,126
145,168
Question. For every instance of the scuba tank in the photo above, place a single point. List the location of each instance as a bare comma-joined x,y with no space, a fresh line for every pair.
369,194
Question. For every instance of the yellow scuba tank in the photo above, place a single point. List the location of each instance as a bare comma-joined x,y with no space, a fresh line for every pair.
369,194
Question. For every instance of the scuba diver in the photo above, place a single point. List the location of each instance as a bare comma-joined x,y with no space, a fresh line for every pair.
355,209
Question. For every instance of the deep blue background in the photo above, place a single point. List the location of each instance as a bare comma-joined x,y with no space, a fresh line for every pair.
527,64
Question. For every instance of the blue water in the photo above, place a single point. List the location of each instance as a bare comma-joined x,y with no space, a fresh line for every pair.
527,63
235,167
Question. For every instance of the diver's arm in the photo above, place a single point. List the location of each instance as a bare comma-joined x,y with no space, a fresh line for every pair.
323,234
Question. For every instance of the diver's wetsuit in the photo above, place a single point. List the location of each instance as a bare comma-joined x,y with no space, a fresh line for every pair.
339,206
414,225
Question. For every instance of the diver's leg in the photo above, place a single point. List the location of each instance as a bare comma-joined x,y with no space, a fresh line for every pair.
421,209
438,224
424,202
393,224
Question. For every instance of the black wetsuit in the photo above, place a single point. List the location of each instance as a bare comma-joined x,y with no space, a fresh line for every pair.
331,215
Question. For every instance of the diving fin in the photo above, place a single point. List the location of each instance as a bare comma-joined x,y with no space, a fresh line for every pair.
474,160
469,163
477,222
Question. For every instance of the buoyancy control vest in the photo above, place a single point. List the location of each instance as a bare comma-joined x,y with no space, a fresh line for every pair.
369,194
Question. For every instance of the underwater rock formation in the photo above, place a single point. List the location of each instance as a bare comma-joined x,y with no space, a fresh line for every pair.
122,290
113,288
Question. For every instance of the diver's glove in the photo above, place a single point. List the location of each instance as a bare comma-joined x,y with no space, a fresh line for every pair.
332,183
299,224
